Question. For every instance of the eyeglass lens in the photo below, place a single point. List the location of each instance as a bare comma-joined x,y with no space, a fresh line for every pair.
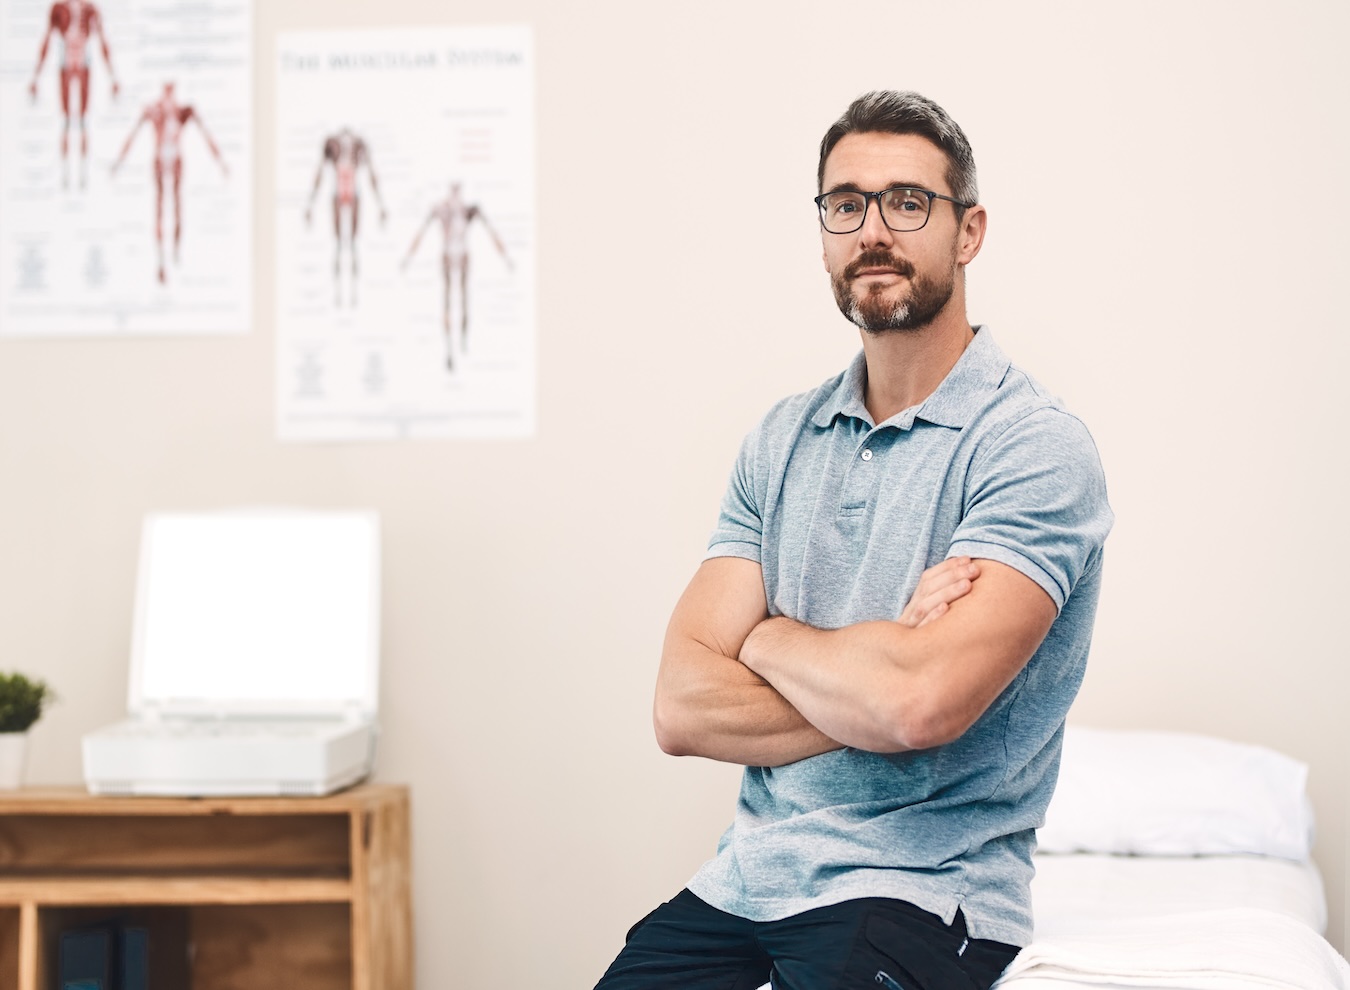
902,209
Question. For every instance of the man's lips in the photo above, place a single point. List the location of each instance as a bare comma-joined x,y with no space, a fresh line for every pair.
877,266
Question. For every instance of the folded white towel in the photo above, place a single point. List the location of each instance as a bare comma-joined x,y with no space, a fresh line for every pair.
1234,949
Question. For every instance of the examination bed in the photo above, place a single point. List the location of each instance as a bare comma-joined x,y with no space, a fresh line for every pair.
1172,861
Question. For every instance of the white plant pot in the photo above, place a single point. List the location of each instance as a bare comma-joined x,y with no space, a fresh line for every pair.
13,747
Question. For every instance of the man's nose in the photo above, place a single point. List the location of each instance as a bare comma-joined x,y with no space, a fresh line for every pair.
874,232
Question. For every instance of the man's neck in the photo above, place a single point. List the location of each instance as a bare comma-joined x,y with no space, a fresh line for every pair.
904,367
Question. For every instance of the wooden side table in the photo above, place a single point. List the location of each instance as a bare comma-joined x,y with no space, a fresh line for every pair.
237,892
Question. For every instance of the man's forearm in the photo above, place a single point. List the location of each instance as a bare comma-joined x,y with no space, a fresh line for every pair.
713,706
889,686
708,703
845,681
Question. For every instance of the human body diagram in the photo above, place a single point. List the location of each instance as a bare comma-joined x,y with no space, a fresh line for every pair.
455,216
75,22
347,153
168,118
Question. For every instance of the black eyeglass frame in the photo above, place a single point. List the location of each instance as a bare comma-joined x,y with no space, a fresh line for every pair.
867,202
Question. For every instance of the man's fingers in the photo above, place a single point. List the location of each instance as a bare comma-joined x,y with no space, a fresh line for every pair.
939,586
949,571
949,593
941,597
937,610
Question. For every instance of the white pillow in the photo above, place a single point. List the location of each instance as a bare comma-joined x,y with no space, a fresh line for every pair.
1176,794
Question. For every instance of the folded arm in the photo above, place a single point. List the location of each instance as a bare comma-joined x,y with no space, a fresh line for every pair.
887,687
708,703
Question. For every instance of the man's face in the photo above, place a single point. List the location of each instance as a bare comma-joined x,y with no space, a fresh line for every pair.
883,279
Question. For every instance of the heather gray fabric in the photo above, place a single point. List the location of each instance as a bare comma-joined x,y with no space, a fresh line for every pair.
844,516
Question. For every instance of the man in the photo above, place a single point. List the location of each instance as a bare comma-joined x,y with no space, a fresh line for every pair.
76,22
347,153
168,118
892,620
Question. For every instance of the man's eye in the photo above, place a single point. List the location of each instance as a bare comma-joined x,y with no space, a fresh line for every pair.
905,202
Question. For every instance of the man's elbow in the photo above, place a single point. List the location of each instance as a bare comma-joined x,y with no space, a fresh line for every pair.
938,729
672,732
922,724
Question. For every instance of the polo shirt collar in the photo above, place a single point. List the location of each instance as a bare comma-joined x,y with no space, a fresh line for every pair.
979,370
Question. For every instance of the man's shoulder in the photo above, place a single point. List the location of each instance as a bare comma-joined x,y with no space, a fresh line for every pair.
1026,426
790,413
1020,400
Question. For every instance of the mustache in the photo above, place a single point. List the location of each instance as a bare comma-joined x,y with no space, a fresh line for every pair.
878,259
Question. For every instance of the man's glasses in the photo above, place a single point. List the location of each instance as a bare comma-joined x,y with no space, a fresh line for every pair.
903,208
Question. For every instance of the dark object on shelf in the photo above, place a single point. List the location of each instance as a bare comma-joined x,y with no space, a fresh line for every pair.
104,957
134,962
86,959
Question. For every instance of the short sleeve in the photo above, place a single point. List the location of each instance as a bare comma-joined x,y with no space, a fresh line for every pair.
740,524
1036,501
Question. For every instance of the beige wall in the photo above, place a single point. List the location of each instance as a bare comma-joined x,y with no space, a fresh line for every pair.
1167,250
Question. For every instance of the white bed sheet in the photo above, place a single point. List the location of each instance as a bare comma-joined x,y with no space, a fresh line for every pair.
1073,892
1219,949
1109,922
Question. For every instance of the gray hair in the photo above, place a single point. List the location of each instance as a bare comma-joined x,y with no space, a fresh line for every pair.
892,112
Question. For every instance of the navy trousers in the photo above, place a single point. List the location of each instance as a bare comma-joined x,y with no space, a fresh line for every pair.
874,943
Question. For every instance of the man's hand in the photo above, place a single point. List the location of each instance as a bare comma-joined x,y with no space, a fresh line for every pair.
939,586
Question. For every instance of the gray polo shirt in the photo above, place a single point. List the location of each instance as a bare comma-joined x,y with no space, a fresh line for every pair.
844,516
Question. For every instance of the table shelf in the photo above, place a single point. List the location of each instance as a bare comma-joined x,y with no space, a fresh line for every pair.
257,892
59,891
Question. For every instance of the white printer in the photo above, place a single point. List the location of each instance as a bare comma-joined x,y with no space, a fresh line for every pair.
254,659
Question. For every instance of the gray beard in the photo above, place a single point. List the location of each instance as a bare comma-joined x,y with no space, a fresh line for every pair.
924,302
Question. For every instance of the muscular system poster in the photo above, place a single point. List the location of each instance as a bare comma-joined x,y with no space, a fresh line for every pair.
125,167
405,234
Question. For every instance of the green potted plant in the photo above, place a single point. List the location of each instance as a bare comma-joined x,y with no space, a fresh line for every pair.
21,702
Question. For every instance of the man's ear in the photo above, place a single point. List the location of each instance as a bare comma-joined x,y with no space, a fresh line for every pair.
971,238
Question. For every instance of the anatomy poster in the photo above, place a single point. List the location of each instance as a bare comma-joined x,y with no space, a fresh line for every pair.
405,234
125,167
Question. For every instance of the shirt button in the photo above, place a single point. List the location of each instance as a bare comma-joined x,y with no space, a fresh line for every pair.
867,455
